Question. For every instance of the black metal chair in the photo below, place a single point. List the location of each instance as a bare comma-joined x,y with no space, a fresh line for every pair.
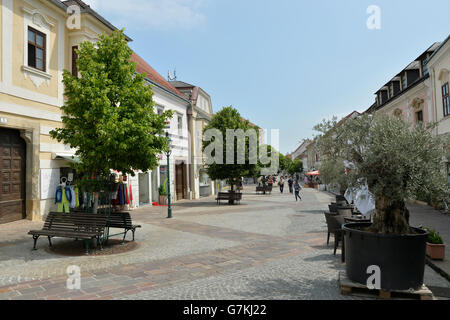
334,224
333,207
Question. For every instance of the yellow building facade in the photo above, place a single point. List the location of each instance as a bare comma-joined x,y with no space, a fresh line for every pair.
36,45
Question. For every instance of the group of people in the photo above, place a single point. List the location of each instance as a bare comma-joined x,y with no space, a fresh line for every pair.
269,180
294,186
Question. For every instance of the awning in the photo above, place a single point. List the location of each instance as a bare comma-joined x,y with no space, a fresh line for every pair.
313,173
67,157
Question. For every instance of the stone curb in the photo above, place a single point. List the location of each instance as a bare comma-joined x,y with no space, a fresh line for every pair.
439,270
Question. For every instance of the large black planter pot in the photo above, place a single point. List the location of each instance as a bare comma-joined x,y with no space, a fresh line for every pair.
401,258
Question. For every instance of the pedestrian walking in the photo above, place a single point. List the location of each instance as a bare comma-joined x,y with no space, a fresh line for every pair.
270,182
290,183
281,184
297,189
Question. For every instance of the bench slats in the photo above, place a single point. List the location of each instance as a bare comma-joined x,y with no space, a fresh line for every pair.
72,226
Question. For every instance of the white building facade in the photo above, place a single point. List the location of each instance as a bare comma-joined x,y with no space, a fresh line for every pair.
166,97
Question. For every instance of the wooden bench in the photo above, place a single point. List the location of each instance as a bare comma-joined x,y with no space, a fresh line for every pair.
121,220
84,226
229,196
264,189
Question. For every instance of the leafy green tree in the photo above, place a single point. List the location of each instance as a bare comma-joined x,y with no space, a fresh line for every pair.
295,167
396,162
288,164
283,162
229,119
277,161
108,115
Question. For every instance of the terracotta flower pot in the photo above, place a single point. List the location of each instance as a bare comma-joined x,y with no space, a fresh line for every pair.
162,200
436,251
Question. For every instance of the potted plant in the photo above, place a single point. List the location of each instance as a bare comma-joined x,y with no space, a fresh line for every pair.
435,245
163,193
395,161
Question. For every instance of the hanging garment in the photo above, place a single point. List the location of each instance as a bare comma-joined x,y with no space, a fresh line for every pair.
85,200
131,195
77,197
121,195
58,195
126,195
63,206
68,193
72,194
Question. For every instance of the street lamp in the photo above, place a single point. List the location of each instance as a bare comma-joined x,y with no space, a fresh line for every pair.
168,153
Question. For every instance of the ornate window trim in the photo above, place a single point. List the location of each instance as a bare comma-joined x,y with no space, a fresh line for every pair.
417,104
37,20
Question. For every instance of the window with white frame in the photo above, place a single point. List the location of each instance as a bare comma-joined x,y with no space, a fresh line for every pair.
446,99
180,124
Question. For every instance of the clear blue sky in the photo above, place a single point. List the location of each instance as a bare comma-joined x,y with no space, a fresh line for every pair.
283,64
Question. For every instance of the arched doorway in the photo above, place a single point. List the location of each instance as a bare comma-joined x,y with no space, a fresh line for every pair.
12,176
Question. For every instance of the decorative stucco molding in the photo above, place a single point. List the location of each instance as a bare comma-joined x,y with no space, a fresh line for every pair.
37,77
39,18
443,75
417,104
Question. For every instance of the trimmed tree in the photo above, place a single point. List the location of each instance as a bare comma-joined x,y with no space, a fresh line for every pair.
274,161
283,162
295,167
217,148
396,162
108,115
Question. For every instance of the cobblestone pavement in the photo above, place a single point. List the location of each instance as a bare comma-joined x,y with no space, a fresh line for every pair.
269,247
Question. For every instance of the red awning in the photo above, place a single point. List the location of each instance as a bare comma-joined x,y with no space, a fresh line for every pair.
314,173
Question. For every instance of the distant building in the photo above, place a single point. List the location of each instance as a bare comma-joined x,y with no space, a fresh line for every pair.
409,94
438,65
199,115
420,92
167,97
301,153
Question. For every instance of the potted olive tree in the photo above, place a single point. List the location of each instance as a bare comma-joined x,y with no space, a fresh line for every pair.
435,245
396,162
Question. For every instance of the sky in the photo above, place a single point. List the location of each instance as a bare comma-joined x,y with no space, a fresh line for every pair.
283,64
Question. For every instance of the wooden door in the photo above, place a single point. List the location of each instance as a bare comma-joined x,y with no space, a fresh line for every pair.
12,176
179,180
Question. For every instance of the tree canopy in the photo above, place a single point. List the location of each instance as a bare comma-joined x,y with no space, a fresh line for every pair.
229,119
395,160
108,115
295,167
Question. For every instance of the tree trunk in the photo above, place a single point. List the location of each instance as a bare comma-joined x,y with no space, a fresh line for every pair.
231,202
390,217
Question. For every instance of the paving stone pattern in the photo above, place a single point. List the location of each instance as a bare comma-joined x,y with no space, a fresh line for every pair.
269,247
